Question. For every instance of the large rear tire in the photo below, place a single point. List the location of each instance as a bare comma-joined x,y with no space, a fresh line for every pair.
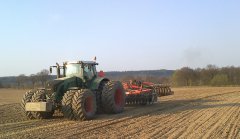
113,97
67,104
99,97
27,98
84,105
40,96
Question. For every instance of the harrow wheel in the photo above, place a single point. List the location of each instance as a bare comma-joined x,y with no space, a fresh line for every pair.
141,99
163,90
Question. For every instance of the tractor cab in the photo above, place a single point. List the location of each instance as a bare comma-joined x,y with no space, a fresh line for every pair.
82,69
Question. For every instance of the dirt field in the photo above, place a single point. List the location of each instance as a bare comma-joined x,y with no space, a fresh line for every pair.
190,113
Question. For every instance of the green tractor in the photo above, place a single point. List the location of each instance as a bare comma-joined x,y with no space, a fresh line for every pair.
78,92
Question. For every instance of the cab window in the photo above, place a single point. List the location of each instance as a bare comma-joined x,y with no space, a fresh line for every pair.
88,71
73,69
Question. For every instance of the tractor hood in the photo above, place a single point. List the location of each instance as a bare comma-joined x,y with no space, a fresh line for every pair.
58,87
53,85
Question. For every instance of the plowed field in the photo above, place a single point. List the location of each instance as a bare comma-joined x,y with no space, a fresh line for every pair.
190,113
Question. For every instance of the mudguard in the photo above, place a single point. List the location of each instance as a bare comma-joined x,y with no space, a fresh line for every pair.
96,82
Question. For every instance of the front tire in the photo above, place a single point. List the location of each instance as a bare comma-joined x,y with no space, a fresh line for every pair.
40,96
27,98
67,104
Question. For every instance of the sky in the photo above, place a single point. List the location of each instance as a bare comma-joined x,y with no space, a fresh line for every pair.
123,34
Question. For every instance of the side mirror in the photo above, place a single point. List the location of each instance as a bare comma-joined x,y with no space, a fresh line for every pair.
50,69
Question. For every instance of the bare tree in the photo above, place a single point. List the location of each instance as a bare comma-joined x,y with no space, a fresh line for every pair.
184,77
164,80
33,78
21,80
220,80
43,76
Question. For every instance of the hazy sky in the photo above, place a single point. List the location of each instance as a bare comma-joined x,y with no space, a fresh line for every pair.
123,34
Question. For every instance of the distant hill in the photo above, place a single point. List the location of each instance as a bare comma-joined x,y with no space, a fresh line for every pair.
142,73
6,81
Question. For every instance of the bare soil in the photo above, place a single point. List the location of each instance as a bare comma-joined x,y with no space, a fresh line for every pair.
202,112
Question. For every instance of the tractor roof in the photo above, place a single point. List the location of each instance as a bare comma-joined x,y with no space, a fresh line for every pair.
83,62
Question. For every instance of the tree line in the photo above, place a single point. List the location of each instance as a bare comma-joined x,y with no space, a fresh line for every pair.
34,80
211,75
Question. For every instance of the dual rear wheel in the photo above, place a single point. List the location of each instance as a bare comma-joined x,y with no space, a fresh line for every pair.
35,96
82,105
79,104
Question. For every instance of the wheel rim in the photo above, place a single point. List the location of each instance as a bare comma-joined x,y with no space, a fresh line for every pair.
118,96
88,105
